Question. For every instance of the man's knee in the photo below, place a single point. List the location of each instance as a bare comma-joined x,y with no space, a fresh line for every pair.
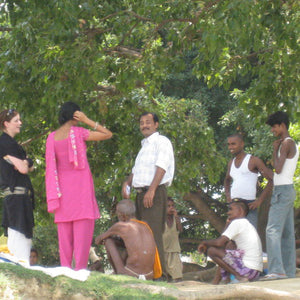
110,245
272,230
211,252
231,245
215,253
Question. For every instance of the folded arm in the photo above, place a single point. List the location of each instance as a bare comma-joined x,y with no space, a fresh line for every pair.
22,165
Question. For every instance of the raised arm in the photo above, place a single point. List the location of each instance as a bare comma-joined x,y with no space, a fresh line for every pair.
127,183
268,174
100,133
177,220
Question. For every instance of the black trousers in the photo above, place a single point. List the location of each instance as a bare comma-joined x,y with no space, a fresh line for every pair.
18,214
155,216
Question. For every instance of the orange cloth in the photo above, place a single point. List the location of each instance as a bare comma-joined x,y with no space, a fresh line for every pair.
157,270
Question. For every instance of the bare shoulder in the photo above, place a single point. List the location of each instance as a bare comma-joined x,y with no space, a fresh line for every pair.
256,160
289,146
255,163
129,226
137,226
120,226
229,164
290,143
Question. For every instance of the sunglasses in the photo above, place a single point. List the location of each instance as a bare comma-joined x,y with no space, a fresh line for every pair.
10,112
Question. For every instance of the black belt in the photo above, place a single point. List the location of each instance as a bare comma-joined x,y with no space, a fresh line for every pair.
144,189
18,190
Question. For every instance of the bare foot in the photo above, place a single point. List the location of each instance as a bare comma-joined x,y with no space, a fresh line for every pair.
242,279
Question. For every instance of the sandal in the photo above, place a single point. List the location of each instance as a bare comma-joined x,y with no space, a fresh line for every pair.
273,276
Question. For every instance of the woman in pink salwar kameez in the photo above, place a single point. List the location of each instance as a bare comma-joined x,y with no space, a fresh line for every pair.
69,184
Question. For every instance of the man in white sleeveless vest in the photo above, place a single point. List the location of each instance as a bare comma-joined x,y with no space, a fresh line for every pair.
280,234
242,176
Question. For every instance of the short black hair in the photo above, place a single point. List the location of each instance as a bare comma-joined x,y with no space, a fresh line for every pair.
278,117
237,135
154,115
171,199
241,203
67,111
35,251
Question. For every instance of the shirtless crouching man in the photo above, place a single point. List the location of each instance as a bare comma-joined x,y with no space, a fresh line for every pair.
140,247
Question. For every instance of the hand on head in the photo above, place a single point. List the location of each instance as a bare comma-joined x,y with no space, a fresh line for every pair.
79,116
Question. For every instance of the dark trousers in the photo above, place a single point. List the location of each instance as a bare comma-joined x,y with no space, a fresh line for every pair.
155,216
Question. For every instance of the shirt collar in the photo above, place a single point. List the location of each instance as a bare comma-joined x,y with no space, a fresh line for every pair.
151,138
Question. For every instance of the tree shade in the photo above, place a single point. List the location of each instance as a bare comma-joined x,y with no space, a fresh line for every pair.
111,57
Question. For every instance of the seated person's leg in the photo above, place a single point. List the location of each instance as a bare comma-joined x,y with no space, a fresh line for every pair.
114,256
121,248
217,255
219,276
117,256
231,261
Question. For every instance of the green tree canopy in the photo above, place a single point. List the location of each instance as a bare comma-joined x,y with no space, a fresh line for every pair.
119,58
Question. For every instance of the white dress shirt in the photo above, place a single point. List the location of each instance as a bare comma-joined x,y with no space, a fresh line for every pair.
156,151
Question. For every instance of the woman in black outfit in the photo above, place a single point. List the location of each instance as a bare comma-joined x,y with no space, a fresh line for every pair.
17,215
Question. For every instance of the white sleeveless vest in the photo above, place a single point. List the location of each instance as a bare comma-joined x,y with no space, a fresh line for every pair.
288,170
243,180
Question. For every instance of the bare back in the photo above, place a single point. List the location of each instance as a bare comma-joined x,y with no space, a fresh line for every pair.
140,245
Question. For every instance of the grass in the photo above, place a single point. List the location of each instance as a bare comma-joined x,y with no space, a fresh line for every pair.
97,286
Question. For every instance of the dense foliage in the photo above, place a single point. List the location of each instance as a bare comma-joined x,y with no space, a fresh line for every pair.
119,58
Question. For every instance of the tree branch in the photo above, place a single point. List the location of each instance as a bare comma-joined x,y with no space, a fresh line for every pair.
108,89
5,29
191,217
189,241
124,51
204,211
128,33
25,143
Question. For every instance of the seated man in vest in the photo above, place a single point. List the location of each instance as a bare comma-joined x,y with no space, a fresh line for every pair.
130,245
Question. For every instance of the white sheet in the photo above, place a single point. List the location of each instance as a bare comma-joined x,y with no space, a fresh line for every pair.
81,275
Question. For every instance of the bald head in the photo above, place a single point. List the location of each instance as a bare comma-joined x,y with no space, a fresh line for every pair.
126,207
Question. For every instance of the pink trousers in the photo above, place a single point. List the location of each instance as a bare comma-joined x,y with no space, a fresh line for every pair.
75,239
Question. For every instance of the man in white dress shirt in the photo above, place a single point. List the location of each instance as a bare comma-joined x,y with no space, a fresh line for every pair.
153,171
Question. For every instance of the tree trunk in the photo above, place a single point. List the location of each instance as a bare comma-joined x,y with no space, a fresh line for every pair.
262,221
200,201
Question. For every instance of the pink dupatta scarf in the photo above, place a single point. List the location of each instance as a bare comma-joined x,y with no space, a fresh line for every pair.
77,153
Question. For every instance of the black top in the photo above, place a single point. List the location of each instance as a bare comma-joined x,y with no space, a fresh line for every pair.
9,176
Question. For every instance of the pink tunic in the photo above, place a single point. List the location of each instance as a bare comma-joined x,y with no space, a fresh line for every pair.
77,195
